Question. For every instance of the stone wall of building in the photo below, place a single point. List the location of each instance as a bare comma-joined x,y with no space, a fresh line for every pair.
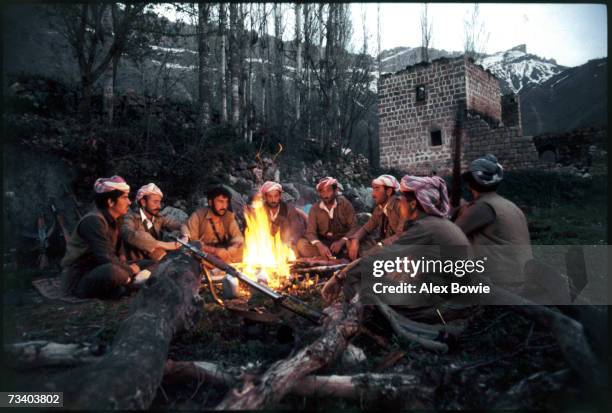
406,125
513,150
483,92
511,110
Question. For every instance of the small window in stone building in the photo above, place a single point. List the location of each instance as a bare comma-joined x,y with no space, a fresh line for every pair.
436,138
421,94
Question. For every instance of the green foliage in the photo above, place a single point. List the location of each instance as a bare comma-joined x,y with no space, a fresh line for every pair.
551,189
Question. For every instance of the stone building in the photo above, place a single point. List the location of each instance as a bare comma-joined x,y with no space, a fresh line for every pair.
420,108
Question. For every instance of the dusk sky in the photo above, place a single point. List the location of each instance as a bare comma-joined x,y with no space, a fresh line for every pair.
572,34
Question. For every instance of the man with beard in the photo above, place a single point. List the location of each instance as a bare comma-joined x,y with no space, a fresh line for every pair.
388,219
283,217
94,264
330,222
215,227
141,229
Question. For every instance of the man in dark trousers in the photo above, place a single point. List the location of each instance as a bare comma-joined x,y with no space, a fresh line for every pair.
94,264
330,222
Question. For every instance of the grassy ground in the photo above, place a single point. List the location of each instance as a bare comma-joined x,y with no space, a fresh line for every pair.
503,347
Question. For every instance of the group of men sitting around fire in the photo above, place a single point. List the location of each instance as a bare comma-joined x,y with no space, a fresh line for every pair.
112,244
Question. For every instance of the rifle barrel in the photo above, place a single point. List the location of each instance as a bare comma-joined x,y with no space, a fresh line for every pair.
289,302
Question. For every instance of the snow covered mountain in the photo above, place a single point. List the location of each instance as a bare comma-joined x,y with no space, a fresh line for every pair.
519,70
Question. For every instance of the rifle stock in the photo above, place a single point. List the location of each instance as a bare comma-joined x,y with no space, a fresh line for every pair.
289,302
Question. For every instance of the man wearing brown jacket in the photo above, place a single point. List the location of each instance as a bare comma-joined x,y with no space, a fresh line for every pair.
141,229
330,222
388,219
215,227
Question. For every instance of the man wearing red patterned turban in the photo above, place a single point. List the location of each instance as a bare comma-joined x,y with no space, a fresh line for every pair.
330,222
94,264
283,216
142,229
388,219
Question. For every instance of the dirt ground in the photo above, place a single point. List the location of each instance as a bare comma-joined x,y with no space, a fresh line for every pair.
496,352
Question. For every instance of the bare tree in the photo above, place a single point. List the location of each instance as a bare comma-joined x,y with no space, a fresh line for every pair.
223,61
234,64
475,34
378,49
82,25
298,59
203,73
426,32
279,70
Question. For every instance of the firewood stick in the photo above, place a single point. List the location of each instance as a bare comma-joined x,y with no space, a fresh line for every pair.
367,385
279,379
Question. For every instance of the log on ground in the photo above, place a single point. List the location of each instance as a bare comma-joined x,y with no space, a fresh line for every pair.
128,376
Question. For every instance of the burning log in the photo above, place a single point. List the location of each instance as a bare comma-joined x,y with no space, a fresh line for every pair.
367,386
340,325
129,375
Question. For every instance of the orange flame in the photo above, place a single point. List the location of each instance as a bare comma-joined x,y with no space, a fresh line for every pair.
265,256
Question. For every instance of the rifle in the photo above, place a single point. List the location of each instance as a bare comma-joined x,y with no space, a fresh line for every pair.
287,301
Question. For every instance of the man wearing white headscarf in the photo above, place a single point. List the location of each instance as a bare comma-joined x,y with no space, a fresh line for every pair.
94,264
284,217
388,219
142,229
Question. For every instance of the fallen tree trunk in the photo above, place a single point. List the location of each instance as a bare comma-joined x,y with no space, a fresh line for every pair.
129,375
40,353
568,332
340,325
369,386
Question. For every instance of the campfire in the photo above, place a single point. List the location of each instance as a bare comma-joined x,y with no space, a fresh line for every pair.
266,258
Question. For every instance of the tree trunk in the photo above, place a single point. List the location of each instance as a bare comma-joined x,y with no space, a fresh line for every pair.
223,64
235,64
203,75
279,63
280,378
107,77
298,59
127,378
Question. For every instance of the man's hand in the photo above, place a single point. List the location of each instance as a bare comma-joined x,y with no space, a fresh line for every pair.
135,268
337,246
209,249
353,249
223,254
158,254
323,250
331,290
170,246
